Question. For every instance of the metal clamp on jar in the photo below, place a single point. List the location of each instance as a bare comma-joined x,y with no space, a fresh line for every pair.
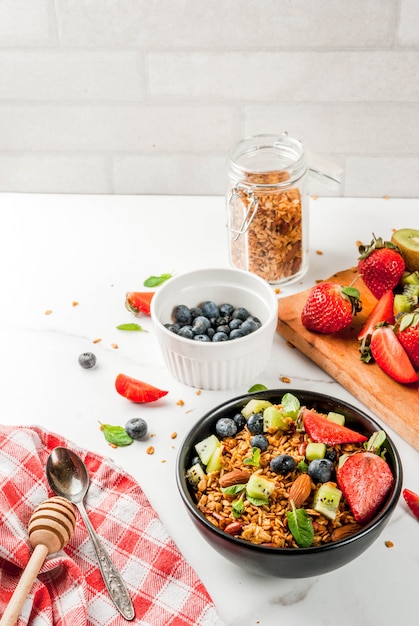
267,207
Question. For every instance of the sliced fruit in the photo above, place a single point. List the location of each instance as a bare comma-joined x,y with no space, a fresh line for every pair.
138,302
382,312
408,335
322,430
407,240
195,474
404,303
255,406
214,463
390,355
326,500
137,390
259,487
338,418
205,448
274,419
365,480
315,451
412,501
410,278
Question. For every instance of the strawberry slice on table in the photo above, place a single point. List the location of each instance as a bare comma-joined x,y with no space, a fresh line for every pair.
137,390
412,501
390,355
408,335
381,266
138,302
365,480
330,307
322,430
383,311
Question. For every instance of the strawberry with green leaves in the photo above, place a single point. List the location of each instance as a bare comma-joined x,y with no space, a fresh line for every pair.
138,302
408,335
330,307
381,266
137,390
390,355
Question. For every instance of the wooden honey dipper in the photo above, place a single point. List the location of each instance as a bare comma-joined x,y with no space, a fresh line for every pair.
51,527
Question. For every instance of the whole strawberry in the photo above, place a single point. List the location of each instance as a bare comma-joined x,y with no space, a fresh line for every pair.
408,334
330,307
381,266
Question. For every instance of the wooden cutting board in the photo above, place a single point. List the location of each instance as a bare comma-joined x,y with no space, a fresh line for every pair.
397,405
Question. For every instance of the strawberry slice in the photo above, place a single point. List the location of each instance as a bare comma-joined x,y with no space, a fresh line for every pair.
390,355
322,430
365,480
412,501
138,302
137,390
382,312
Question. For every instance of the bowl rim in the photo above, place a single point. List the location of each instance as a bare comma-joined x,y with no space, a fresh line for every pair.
373,524
272,306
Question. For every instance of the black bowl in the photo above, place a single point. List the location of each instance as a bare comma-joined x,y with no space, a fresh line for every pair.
288,562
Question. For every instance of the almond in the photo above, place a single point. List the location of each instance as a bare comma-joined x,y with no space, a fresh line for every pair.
235,477
345,531
300,489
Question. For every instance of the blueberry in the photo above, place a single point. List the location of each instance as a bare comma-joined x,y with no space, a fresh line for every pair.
226,309
186,331
211,333
195,312
225,427
203,338
248,326
181,314
240,421
210,309
236,333
320,470
223,328
197,461
136,428
331,454
282,464
255,424
220,337
220,321
174,328
259,441
200,325
87,360
240,313
235,323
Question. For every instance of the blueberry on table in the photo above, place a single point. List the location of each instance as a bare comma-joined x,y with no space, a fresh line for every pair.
136,428
87,360
225,427
282,464
320,470
255,424
259,441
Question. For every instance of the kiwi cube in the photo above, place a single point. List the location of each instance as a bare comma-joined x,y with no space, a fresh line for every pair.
315,450
337,418
255,406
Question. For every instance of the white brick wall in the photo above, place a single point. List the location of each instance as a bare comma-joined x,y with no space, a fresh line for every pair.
148,96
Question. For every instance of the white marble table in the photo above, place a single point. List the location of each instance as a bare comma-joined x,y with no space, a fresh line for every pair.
58,250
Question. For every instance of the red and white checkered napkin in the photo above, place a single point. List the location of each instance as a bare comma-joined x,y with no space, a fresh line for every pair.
69,590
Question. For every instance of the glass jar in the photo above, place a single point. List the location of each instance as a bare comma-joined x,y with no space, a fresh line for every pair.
267,207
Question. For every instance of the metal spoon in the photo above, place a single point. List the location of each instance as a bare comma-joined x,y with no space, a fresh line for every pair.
68,477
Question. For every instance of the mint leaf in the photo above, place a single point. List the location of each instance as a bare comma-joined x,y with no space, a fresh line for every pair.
130,326
257,501
155,281
257,387
233,489
301,526
237,508
254,459
116,435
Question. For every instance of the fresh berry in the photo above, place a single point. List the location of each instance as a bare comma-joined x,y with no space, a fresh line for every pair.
226,427
381,266
382,312
259,441
240,421
138,302
136,428
390,355
210,309
412,501
87,360
330,307
182,314
320,470
137,390
365,480
408,335
255,424
282,464
320,429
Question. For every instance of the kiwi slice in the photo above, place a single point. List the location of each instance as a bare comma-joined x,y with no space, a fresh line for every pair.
407,240
315,451
337,418
195,474
404,303
326,500
206,447
259,487
255,406
274,419
214,463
